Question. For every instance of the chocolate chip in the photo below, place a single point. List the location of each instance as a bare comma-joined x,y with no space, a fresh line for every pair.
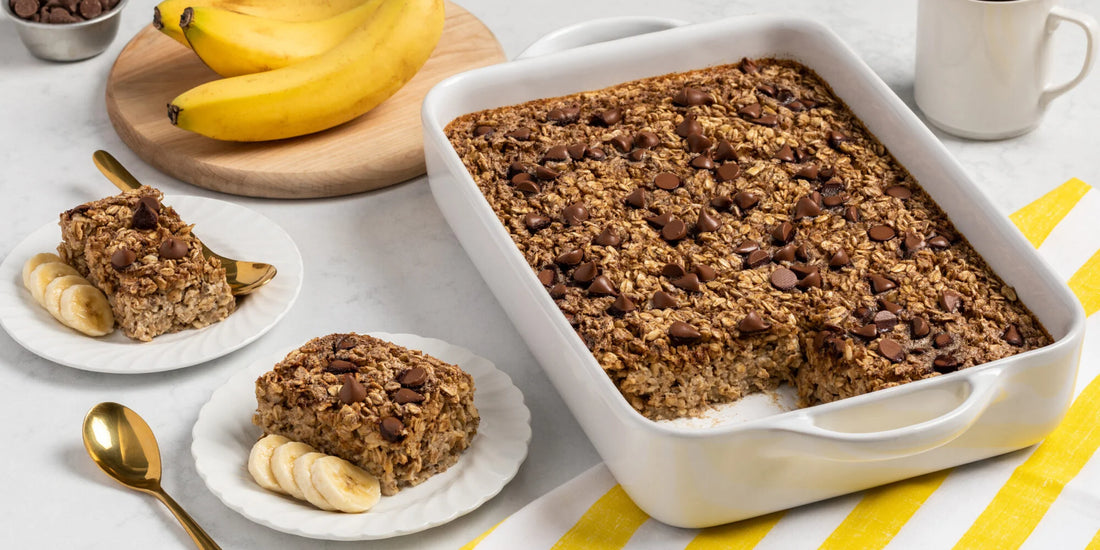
881,233
883,303
766,89
851,214
556,153
864,314
748,66
785,154
659,221
724,152
674,230
692,96
663,300
557,291
899,191
596,153
622,305
607,117
806,208
352,391
623,143
751,111
813,280
836,138
546,174
151,202
722,203
797,106
696,143
172,248
913,242
705,272
564,115
339,366
942,340
122,258
575,214
808,172
601,286
945,363
891,350
866,331
346,342
683,333
523,178
746,200
706,222
702,162
517,167
636,198
689,282
885,320
414,377
757,258
24,8
839,259
950,301
939,242
783,233
880,284
746,246
646,140
783,279
405,395
919,328
753,322
728,171
785,254
520,134
768,119
607,237
835,200
572,257
145,218
535,222
546,277
585,272
483,130
688,127
528,185
673,271
390,428
803,270
1012,336
666,181
638,155
577,151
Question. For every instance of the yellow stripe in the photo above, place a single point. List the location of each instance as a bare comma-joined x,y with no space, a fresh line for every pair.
1037,220
1033,487
1095,544
883,512
1085,283
742,535
473,543
608,524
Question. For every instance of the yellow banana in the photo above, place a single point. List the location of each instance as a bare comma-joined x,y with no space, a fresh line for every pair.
166,15
369,66
234,43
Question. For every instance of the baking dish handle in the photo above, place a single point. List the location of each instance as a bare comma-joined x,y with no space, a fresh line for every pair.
597,30
982,388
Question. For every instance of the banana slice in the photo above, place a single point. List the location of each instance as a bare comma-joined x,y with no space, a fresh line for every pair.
51,298
282,465
303,478
344,485
259,461
35,261
85,308
42,275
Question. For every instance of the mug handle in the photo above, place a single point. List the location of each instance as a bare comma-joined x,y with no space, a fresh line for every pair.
1092,37
598,30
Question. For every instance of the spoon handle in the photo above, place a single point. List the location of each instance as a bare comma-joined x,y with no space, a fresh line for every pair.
115,171
202,540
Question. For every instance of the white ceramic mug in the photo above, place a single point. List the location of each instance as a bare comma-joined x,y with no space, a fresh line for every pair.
983,65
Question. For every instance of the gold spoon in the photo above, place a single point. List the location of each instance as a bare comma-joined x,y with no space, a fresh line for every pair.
123,446
243,277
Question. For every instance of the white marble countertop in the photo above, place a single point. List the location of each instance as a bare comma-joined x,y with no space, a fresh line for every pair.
384,260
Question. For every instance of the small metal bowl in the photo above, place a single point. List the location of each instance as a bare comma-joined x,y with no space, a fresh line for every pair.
67,41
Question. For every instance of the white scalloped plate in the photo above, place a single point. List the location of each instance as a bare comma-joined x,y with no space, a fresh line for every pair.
232,230
224,434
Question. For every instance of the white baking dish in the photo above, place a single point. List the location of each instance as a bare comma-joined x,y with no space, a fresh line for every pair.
700,476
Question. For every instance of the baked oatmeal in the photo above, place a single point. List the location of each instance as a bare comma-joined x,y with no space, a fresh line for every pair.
722,231
400,414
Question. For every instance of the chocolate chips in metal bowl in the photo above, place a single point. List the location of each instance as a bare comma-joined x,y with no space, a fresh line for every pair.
65,30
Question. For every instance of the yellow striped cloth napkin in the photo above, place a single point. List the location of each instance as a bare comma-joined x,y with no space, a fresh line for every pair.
1047,496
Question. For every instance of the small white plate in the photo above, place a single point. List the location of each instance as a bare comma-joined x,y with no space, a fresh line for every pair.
232,230
224,434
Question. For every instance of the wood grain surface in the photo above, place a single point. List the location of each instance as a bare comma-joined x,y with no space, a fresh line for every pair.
383,147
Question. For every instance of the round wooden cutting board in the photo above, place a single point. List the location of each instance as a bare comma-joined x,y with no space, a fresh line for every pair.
383,147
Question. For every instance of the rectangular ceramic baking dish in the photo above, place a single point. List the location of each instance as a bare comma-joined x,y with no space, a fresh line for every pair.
764,459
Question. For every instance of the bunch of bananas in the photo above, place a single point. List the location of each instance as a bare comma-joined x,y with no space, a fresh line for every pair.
295,67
